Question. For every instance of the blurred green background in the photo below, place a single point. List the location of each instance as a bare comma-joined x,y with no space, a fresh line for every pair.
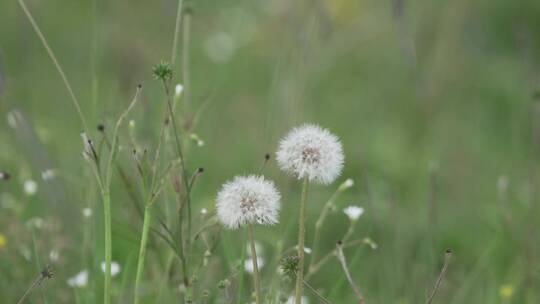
436,104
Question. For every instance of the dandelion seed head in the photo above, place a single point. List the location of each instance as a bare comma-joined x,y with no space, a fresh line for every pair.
353,212
248,199
313,152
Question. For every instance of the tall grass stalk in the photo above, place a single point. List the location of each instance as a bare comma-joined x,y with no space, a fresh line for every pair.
301,242
142,252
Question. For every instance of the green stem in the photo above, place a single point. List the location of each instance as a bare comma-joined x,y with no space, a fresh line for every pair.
301,240
142,252
255,266
106,197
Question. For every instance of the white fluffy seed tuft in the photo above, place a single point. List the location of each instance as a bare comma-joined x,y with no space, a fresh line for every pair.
248,200
313,152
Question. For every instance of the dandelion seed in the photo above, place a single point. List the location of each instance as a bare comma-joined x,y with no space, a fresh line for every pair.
115,268
313,152
178,89
48,174
3,240
506,291
247,200
248,264
30,187
353,212
79,280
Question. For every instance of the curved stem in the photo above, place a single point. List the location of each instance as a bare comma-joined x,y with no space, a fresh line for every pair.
301,241
106,197
142,252
255,266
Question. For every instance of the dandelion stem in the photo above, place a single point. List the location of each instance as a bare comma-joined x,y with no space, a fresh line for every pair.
301,240
255,266
447,256
106,198
142,251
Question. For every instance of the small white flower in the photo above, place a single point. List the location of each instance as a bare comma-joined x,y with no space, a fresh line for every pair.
313,152
248,199
115,268
30,187
307,250
79,280
248,264
303,301
204,211
353,212
131,124
48,174
178,89
87,212
54,255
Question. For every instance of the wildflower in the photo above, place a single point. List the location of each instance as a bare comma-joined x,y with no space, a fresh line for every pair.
204,211
506,291
79,280
353,212
30,187
162,71
53,255
115,268
178,89
248,264
290,300
197,139
48,174
3,240
312,152
247,200
87,212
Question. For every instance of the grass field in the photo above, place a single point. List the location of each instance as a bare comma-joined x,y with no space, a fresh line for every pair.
436,103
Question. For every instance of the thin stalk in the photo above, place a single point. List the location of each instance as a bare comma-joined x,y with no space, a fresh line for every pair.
185,61
55,62
301,241
318,225
255,266
341,257
142,252
176,32
447,256
106,198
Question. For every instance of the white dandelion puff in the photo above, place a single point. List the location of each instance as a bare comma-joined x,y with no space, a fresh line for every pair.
313,152
353,212
79,280
246,200
30,187
248,264
115,268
